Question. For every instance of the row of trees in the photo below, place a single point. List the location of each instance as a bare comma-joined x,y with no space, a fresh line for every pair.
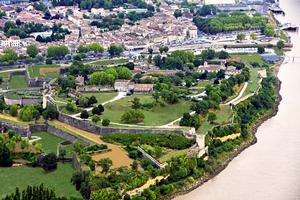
231,22
108,76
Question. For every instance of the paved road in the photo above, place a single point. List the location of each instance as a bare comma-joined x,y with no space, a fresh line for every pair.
239,96
118,97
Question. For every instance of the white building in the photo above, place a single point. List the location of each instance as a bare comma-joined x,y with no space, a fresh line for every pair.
13,41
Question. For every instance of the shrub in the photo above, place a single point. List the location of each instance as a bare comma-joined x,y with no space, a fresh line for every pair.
13,110
105,122
96,118
132,117
49,162
84,114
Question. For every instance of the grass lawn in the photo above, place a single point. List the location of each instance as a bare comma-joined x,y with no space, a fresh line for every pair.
101,96
249,58
14,120
18,82
200,87
109,62
223,117
49,142
253,83
158,115
44,71
21,177
171,153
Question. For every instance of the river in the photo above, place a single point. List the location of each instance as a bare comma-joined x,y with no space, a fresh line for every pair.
270,169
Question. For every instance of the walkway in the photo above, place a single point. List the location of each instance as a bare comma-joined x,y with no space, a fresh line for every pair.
117,154
12,70
238,96
116,98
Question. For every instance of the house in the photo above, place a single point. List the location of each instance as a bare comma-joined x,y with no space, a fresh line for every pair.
211,68
122,85
231,70
143,88
13,41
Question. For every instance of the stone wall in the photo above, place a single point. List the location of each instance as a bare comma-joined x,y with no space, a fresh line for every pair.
23,131
22,100
90,88
88,126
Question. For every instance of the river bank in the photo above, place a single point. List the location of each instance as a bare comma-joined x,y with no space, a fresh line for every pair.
251,140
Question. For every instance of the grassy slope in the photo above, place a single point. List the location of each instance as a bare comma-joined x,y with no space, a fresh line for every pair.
10,178
34,71
253,84
18,82
49,142
223,117
156,116
101,97
109,62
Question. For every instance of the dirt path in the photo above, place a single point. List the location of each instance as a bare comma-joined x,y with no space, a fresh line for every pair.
117,154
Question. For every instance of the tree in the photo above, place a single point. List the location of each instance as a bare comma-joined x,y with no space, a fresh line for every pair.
115,50
71,107
13,110
280,44
92,100
56,51
84,114
260,50
155,96
136,104
28,113
9,56
96,119
105,164
269,31
253,36
11,133
124,73
49,162
105,122
190,120
96,111
177,13
50,113
211,117
240,36
101,108
134,165
132,117
223,54
102,78
32,50
33,192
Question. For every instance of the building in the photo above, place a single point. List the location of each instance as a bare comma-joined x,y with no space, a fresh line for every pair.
122,85
143,88
211,68
13,41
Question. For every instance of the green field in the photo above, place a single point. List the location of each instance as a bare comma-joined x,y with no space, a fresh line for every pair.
101,97
21,177
158,115
223,117
109,62
18,82
35,71
49,142
249,58
253,83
